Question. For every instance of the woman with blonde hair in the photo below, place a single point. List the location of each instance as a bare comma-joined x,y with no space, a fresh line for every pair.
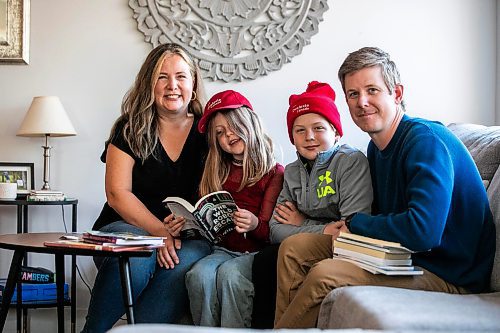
153,151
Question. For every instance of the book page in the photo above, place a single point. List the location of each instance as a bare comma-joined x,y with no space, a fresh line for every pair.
182,208
179,209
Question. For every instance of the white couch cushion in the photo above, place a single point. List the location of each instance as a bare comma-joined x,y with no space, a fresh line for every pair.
168,328
382,308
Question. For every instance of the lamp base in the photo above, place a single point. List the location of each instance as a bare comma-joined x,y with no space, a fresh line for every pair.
46,164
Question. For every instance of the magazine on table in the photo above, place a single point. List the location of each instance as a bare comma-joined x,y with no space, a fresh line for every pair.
211,216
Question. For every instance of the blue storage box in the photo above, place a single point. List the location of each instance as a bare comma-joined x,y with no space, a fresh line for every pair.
36,293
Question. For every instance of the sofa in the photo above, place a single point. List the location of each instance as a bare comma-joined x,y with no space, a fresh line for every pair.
385,308
170,328
376,309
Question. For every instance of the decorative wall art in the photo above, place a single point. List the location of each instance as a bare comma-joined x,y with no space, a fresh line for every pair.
14,31
232,39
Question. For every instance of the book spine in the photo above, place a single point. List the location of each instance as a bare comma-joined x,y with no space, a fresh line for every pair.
101,239
204,225
93,241
78,245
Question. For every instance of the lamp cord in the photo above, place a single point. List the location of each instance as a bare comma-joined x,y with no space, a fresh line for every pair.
76,264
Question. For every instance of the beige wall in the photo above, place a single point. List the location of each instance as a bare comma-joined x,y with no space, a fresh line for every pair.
87,52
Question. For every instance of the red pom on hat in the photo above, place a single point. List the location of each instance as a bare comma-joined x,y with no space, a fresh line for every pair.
318,98
227,99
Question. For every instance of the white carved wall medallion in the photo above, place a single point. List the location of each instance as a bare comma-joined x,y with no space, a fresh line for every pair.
232,39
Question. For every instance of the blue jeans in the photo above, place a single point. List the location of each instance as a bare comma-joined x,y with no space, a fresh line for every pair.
159,294
220,289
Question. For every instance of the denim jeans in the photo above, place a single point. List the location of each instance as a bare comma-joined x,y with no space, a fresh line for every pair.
220,289
159,294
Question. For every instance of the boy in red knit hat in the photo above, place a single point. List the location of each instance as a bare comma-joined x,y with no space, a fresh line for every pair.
328,182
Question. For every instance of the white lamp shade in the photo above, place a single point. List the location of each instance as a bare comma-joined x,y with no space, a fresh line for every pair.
46,116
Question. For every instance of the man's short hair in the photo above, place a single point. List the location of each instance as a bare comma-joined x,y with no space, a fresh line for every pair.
369,57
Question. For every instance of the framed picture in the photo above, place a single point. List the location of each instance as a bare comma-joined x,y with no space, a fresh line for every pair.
14,31
20,173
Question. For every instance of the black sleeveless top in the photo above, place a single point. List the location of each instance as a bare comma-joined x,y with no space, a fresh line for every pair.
156,179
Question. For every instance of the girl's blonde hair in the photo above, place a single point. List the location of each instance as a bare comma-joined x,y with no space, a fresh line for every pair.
258,157
138,110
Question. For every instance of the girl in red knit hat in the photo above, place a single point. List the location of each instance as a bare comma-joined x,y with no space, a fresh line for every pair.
240,160
327,183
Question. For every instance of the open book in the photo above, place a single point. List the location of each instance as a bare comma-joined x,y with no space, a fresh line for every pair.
211,216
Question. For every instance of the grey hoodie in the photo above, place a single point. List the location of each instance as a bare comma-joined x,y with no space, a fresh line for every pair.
338,185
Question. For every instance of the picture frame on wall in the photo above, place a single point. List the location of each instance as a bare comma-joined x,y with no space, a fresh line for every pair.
14,31
21,173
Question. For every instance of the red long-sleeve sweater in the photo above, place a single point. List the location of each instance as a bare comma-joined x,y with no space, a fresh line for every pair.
259,199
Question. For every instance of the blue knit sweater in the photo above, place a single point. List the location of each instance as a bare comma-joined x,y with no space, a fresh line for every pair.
429,197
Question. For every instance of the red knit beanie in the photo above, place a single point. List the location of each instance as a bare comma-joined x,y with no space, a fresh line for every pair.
318,98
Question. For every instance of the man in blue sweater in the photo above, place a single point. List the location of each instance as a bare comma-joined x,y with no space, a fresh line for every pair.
428,196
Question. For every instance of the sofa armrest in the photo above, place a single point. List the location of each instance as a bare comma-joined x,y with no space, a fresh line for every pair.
494,199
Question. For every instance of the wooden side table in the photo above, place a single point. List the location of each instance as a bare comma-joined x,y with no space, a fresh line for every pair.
23,227
24,243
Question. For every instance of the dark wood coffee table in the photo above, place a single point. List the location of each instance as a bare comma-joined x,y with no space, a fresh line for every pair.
33,243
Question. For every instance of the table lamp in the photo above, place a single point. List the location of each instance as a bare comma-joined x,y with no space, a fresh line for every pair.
46,117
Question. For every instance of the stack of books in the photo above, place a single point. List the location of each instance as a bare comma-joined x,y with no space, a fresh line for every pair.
375,255
46,195
108,241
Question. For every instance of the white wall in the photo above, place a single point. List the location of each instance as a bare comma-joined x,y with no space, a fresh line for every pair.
87,52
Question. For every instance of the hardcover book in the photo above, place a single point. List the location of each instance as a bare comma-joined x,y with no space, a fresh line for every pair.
368,241
211,216
372,250
371,259
120,238
386,270
99,247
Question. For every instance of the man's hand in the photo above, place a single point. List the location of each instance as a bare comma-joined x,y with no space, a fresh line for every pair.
334,229
174,224
245,220
167,255
287,213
